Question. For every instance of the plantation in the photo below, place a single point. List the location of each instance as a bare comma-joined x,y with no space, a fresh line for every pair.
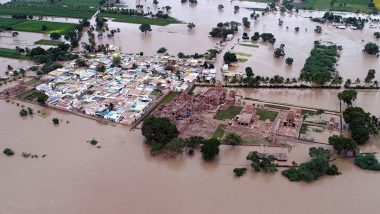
320,66
7,22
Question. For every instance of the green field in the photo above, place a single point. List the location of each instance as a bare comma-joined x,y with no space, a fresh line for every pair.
229,113
48,11
171,96
219,132
264,115
7,22
48,42
334,5
11,53
139,19
36,26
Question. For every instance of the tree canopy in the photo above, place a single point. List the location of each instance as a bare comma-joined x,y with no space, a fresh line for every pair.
348,96
210,149
158,130
343,145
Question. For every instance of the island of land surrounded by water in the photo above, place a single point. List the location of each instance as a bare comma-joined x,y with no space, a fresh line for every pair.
219,106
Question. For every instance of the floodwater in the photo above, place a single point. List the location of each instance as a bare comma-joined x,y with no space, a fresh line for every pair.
122,177
15,63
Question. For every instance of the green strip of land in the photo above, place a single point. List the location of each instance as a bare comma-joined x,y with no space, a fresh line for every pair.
37,26
335,5
229,113
7,22
48,11
117,17
48,42
12,53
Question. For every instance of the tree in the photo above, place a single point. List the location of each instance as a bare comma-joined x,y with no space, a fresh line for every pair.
210,149
232,139
220,7
176,146
23,112
289,61
279,52
15,34
145,28
155,2
343,145
297,29
8,152
162,50
191,25
246,23
249,72
116,61
265,163
158,130
255,37
194,141
361,124
101,68
230,57
55,121
367,161
55,36
348,96
41,98
44,28
370,76
371,48
239,171
30,111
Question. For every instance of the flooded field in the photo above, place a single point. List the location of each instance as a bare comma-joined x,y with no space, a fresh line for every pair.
76,177
15,63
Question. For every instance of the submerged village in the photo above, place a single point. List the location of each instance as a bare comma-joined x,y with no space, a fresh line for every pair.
127,96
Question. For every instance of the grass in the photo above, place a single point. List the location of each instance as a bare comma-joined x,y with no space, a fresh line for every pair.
48,11
339,5
377,3
229,113
219,132
139,19
303,129
48,42
249,45
264,114
12,53
243,54
170,97
242,60
36,26
277,106
8,22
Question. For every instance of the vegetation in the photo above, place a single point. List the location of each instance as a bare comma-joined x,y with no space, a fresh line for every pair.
7,23
229,113
232,139
210,149
93,142
343,145
258,163
362,124
12,53
23,112
55,121
158,131
336,5
348,96
318,166
135,19
371,48
8,152
48,42
219,132
266,115
145,28
240,171
289,61
162,50
230,57
367,161
320,66
223,29
46,27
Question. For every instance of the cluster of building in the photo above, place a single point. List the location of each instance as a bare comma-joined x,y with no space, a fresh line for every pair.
118,93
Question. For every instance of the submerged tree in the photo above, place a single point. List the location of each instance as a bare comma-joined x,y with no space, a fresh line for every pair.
145,28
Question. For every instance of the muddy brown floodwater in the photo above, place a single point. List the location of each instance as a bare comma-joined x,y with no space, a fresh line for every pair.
122,177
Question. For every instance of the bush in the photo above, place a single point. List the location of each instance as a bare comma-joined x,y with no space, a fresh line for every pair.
162,50
55,121
230,57
41,98
367,161
240,171
23,113
210,149
8,152
194,141
93,142
289,60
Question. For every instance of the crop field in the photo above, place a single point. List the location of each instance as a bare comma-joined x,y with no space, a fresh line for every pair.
139,20
11,53
336,5
6,22
52,27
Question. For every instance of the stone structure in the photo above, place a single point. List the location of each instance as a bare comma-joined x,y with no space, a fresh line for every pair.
247,116
12,91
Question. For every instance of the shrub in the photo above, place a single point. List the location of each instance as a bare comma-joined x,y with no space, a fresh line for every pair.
367,161
8,152
55,121
240,171
23,113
